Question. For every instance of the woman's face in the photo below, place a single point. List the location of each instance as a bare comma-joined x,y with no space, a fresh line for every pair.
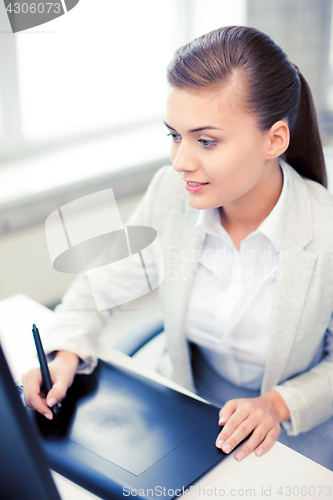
216,147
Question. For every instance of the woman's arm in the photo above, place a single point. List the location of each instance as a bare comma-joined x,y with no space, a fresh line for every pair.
77,323
299,404
309,395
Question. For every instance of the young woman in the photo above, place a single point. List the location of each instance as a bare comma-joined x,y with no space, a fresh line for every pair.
246,227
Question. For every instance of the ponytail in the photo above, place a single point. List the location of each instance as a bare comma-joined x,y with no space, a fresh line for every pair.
305,152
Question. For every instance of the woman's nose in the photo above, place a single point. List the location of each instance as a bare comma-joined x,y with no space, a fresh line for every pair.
184,159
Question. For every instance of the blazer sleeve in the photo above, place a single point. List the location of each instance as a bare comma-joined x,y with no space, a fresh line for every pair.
77,323
309,395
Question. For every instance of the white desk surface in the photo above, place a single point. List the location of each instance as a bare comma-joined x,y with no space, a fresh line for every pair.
281,473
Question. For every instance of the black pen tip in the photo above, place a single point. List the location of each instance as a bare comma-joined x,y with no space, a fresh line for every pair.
55,410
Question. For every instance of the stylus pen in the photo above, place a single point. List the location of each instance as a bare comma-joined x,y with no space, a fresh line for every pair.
44,368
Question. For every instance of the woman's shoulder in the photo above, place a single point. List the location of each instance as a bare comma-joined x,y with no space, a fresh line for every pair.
310,207
320,197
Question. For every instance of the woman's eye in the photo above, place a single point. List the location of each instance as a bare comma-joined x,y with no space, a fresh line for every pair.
175,137
206,143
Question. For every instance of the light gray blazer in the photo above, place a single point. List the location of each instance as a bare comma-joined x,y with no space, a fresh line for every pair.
300,354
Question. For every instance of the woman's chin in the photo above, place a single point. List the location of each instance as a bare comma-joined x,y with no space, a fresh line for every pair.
199,202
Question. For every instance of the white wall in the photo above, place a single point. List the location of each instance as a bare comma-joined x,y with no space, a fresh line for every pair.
25,263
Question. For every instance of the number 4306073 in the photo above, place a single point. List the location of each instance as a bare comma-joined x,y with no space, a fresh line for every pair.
33,8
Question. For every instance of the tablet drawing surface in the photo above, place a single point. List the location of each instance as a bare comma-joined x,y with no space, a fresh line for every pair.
120,430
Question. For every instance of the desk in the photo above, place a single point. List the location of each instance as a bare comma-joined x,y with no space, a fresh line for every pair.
281,473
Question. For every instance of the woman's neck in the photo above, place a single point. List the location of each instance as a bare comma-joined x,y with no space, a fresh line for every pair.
244,215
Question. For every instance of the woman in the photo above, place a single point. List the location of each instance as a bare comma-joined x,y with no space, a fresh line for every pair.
248,290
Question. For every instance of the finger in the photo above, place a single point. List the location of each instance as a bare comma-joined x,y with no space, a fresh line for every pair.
268,442
32,381
227,410
57,393
258,440
31,387
39,404
229,440
257,437
237,419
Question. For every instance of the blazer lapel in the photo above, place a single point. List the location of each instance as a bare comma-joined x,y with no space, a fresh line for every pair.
294,275
187,244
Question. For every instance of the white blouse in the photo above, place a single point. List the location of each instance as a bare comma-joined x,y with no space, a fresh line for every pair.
231,301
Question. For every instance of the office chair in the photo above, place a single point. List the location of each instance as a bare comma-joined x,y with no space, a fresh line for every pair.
134,340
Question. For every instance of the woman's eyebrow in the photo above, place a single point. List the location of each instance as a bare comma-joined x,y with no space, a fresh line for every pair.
208,127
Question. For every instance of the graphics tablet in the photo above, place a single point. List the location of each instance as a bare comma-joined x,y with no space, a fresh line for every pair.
122,435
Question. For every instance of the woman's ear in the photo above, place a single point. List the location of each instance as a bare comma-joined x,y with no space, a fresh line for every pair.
278,139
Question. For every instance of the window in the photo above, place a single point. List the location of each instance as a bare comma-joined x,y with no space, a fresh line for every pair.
97,69
83,96
104,67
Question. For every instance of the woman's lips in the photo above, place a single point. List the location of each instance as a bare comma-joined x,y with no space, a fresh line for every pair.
195,187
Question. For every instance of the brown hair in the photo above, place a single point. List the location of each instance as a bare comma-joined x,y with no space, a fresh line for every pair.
275,89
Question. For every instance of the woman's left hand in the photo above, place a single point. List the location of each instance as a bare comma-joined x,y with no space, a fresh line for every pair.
261,415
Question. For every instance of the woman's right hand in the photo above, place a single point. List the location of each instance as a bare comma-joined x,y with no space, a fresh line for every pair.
62,371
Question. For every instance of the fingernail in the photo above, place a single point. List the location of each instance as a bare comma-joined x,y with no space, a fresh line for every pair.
51,402
227,448
49,417
222,421
240,455
220,443
259,452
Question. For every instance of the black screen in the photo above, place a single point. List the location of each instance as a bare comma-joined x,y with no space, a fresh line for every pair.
23,465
